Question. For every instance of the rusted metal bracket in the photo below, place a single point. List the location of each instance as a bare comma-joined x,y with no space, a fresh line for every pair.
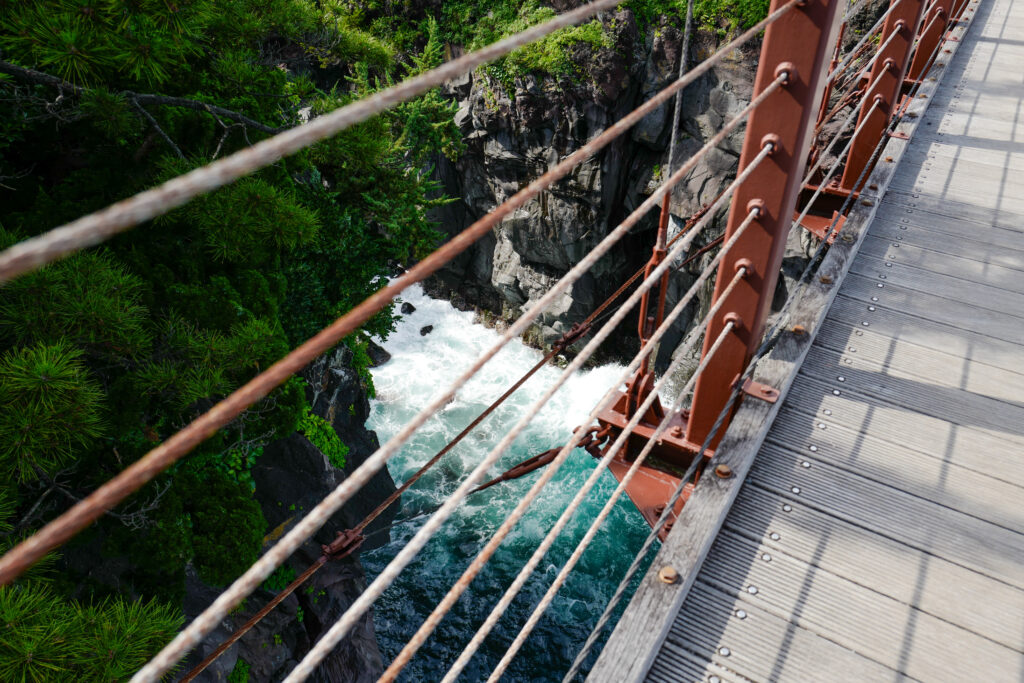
761,391
899,136
343,545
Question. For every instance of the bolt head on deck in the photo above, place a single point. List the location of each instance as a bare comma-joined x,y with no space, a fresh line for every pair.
723,471
668,575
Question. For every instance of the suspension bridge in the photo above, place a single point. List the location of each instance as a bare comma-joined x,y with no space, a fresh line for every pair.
837,488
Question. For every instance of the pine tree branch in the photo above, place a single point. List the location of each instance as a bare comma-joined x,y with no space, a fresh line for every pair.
156,126
41,78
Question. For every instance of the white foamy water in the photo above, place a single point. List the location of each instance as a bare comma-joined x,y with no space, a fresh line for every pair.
421,368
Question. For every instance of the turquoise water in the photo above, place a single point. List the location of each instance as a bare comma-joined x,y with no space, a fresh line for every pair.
422,366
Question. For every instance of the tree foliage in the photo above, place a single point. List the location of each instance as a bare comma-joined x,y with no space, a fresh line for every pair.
106,353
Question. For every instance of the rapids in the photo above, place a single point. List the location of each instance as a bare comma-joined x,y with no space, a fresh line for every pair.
422,366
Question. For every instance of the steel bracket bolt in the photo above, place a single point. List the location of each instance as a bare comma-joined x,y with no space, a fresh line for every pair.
668,575
787,69
757,205
735,319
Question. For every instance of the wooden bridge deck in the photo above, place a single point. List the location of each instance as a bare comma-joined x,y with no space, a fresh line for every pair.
879,534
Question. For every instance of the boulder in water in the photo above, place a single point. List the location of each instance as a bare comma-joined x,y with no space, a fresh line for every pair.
407,308
426,329
378,355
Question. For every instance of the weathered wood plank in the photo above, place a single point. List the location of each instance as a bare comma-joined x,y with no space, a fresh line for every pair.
959,267
985,248
890,632
852,302
890,511
922,580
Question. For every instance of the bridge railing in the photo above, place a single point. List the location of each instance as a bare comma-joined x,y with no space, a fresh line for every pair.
781,119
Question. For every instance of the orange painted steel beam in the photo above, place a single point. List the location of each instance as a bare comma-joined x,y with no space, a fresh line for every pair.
935,24
800,43
886,81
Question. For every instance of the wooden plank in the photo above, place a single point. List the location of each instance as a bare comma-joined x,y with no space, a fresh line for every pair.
921,580
849,308
890,632
994,216
957,229
762,646
648,618
935,479
954,405
967,446
951,287
941,152
888,510
978,271
974,246
882,353
913,303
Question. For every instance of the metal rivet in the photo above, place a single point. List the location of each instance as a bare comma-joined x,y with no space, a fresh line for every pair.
858,333
879,285
787,508
865,323
795,489
848,361
871,308
841,378
853,350
821,425
813,449
827,411
874,298
668,575
888,265
752,590
766,557
774,536
806,465
740,614
724,651
883,277
714,679
836,392
723,471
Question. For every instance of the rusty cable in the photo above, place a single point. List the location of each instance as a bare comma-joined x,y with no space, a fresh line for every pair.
83,513
567,340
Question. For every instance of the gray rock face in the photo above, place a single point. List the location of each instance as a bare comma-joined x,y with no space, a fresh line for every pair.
291,476
514,137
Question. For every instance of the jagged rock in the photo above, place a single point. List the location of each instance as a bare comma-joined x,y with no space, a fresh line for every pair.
511,138
407,308
378,354
291,477
426,329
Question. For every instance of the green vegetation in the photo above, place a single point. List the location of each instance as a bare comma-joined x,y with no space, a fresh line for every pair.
106,353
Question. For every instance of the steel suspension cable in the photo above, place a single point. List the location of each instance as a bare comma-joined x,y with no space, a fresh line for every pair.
570,510
262,568
330,639
83,513
390,500
470,573
591,533
877,25
771,338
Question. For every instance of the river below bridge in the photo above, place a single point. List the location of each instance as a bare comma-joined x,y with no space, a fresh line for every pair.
422,366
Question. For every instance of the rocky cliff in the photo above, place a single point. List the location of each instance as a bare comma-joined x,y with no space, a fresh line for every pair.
513,136
291,477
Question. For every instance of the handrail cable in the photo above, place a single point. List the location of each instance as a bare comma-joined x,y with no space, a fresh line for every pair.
849,58
484,555
771,338
237,634
150,465
609,505
341,627
677,112
567,514
258,572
